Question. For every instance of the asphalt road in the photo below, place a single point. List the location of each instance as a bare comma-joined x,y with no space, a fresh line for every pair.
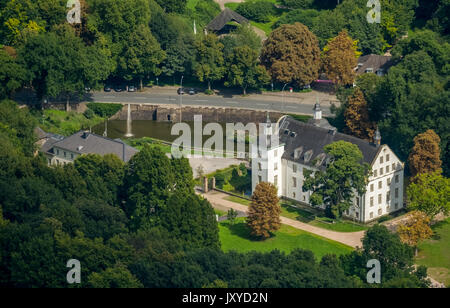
264,103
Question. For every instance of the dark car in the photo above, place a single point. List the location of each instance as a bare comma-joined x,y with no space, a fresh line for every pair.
107,89
118,89
192,91
181,91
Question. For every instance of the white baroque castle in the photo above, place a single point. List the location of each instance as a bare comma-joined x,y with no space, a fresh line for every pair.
301,146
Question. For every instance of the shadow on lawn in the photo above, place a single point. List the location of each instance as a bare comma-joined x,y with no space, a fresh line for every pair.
240,229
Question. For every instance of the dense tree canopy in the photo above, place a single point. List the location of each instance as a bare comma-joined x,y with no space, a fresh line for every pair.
336,186
291,55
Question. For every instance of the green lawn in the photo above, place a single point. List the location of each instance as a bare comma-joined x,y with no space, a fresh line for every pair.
65,123
220,213
238,238
308,217
435,253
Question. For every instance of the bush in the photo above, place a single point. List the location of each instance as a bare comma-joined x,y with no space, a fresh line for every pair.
259,11
298,4
209,92
89,114
104,110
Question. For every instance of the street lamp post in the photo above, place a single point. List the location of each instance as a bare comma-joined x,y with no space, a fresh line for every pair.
282,98
181,96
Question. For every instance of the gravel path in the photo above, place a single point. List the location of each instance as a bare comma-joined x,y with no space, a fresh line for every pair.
353,239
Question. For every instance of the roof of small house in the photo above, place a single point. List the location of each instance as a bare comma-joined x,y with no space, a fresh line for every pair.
225,17
310,140
84,142
375,62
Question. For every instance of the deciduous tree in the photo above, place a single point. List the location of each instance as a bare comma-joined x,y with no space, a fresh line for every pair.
340,59
415,229
209,65
335,186
264,211
357,117
292,54
244,69
425,154
430,194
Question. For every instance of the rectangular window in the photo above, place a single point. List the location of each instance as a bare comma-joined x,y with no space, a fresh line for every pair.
259,166
65,154
357,201
388,196
275,180
380,211
259,179
381,171
371,214
371,187
293,195
380,197
381,159
275,166
57,152
71,156
357,215
388,157
294,182
388,181
380,184
294,168
371,201
375,173
387,169
275,153
397,179
396,206
396,193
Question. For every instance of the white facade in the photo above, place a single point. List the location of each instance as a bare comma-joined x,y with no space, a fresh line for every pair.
384,192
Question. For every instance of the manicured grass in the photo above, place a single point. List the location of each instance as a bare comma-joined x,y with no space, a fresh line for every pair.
238,200
308,217
238,238
65,123
435,253
219,212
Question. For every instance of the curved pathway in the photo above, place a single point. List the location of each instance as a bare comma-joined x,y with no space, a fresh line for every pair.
353,239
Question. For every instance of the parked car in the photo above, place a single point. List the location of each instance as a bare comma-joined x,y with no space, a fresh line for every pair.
107,89
192,91
131,89
181,91
118,89
87,89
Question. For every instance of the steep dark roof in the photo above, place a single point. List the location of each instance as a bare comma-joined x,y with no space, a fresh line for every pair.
375,62
225,17
312,139
88,143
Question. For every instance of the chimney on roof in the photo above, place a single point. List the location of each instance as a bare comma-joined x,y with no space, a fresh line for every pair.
85,135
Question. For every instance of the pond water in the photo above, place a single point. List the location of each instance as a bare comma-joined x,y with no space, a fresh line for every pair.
147,128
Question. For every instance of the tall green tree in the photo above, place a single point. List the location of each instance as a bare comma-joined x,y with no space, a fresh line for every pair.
336,186
141,56
244,70
148,181
12,75
209,64
430,194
